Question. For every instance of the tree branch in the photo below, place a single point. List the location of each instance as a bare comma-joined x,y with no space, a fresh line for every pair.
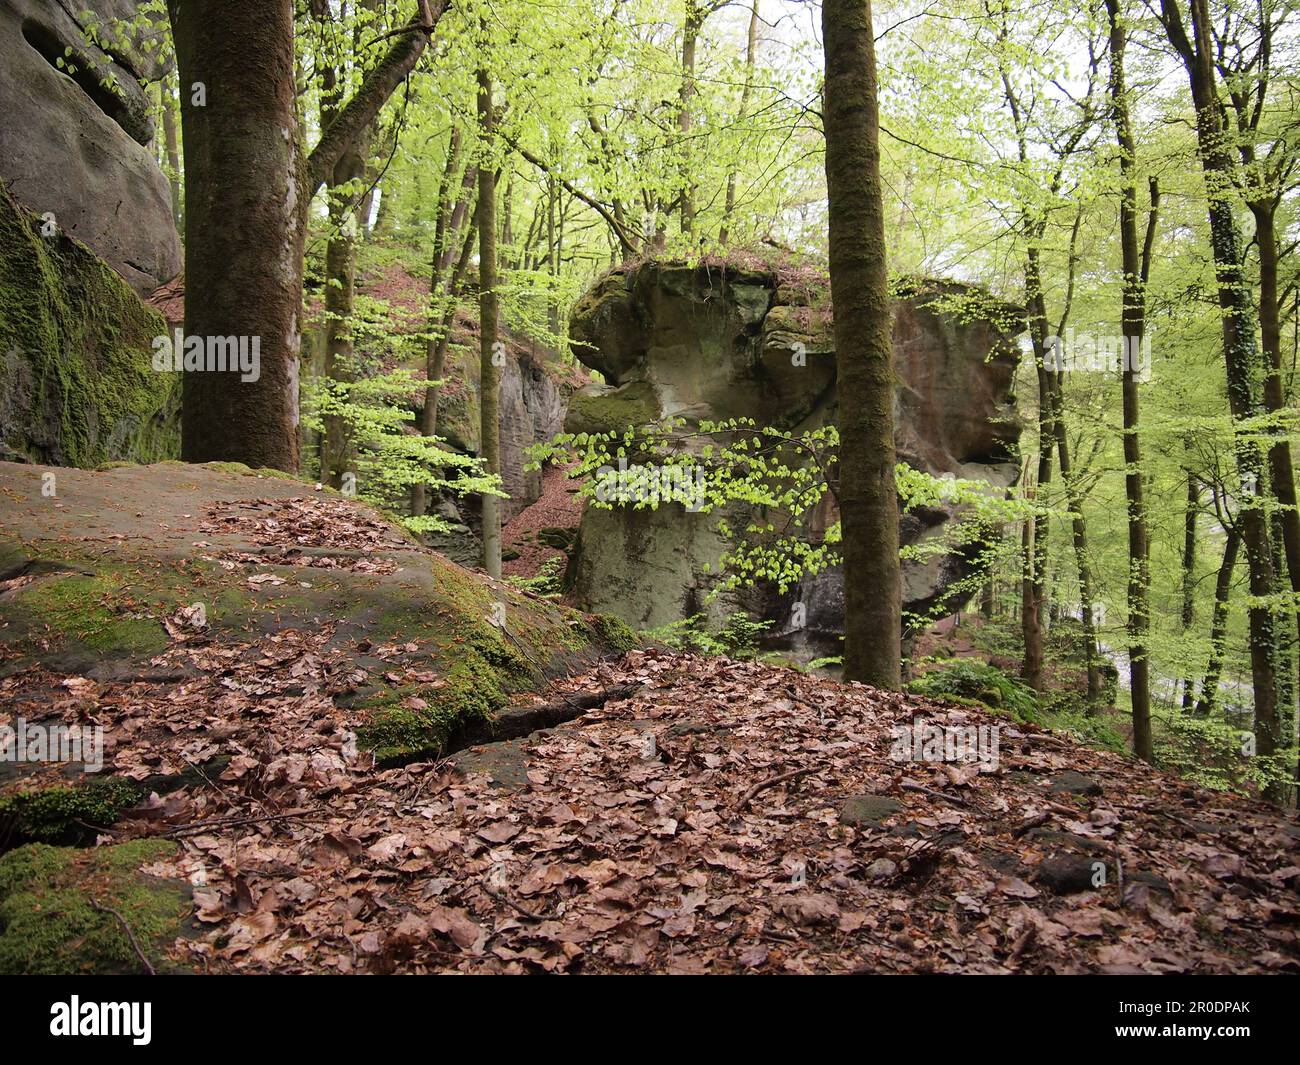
374,92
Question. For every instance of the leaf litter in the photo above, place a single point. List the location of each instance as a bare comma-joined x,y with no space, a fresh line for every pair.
697,826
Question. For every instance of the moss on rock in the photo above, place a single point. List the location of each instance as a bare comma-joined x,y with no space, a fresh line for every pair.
77,385
597,409
55,903
613,633
66,814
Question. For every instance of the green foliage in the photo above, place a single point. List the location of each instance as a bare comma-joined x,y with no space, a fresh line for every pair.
969,679
737,638
546,582
390,458
767,487
1216,753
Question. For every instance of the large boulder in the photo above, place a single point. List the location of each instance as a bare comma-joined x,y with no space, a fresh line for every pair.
703,342
76,132
77,385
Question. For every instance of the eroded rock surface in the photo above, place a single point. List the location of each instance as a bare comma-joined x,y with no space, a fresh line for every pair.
706,343
77,386
75,142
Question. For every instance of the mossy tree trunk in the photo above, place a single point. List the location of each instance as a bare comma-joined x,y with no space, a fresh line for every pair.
489,369
1241,354
867,495
1137,267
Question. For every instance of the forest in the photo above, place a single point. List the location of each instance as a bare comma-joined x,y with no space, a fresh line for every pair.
649,486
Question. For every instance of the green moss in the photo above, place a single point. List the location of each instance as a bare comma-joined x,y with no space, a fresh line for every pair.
613,633
80,608
616,410
480,672
50,923
66,815
77,385
249,471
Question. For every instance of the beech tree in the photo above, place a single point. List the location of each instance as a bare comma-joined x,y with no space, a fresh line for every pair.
1137,271
248,185
868,496
1241,354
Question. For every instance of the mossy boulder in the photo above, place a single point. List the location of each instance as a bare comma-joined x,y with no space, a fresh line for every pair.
461,646
66,814
77,385
600,409
710,341
66,912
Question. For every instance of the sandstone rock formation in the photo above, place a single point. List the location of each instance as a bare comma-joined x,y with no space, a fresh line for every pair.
77,386
709,342
74,142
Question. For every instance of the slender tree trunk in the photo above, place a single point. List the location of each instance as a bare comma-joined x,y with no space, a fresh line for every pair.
244,225
445,208
1035,561
1133,320
173,151
340,301
867,495
438,362
690,36
1079,535
751,50
1219,625
489,350
1189,573
552,258
1241,356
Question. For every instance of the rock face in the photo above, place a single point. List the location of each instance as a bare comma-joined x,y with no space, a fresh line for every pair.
708,343
533,404
75,142
77,387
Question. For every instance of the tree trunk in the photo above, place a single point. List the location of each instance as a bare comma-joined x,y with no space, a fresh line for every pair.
248,189
1035,560
244,225
867,495
441,241
173,152
438,362
1079,535
751,50
1189,573
1241,355
489,350
1133,326
1219,626
1281,468
690,36
340,299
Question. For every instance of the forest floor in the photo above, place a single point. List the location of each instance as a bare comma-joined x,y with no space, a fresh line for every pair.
707,816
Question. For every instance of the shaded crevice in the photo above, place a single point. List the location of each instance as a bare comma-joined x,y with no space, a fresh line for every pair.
86,73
